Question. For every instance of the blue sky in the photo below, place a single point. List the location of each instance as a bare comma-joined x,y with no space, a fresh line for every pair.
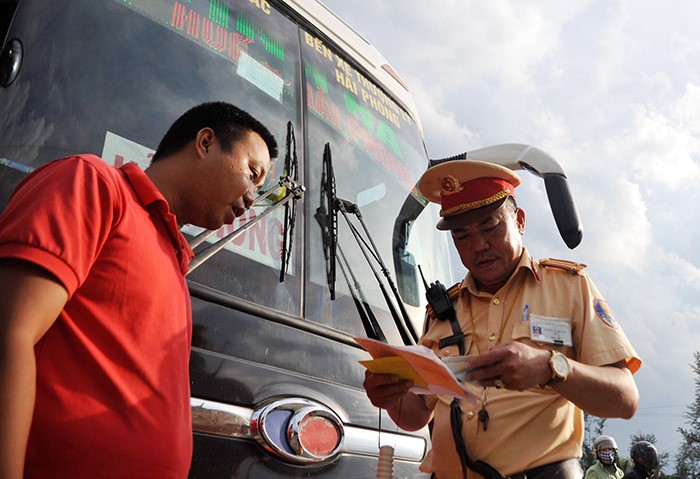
611,89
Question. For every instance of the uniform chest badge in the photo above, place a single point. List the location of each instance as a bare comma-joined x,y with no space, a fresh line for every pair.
603,311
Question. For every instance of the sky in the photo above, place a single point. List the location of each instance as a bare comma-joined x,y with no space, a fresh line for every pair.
610,89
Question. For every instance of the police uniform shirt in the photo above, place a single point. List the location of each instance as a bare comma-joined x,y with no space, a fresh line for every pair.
548,305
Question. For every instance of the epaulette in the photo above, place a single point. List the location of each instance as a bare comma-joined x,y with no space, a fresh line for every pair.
565,265
452,292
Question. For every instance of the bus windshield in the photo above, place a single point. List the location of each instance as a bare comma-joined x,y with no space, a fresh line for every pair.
108,77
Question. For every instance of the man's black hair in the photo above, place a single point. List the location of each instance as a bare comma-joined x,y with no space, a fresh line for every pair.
229,123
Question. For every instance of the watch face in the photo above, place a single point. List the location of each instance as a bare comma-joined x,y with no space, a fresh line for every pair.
560,365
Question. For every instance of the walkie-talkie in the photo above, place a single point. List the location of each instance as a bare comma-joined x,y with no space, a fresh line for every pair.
439,300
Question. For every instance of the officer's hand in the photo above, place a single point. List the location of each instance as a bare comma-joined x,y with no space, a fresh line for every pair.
385,390
511,365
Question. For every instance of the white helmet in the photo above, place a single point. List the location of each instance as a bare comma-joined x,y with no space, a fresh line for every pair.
607,457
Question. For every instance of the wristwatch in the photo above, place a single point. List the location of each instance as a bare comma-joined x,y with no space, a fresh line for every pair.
559,365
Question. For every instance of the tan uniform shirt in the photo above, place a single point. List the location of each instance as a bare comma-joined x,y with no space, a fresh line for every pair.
537,426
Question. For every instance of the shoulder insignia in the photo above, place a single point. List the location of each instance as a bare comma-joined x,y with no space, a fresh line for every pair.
452,292
570,266
603,311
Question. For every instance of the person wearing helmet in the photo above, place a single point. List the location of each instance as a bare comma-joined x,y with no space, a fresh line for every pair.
605,467
645,458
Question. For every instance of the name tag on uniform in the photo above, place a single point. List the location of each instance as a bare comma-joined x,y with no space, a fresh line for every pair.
550,330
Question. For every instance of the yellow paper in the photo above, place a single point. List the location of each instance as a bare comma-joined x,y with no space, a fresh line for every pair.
394,365
418,364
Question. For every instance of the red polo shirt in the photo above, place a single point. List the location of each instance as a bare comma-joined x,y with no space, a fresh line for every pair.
112,371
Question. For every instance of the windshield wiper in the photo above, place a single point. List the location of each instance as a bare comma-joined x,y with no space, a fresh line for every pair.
333,204
327,217
291,169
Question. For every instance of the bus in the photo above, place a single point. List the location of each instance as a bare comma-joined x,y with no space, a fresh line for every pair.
275,380
331,253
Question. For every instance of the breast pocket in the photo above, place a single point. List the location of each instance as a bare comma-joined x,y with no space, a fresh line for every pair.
521,332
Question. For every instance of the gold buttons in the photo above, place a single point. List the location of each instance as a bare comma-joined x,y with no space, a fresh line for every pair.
446,352
492,337
470,415
496,301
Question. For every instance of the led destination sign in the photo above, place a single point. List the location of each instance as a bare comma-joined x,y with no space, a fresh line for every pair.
234,34
347,100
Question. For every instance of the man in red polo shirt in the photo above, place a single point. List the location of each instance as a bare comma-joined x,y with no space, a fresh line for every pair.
95,316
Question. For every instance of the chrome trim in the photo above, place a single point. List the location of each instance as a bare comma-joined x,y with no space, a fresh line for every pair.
366,442
220,419
269,435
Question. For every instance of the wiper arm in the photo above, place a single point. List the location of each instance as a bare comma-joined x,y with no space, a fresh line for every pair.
408,335
205,234
369,320
292,191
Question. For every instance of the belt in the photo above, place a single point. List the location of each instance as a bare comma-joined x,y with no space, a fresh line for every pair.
566,469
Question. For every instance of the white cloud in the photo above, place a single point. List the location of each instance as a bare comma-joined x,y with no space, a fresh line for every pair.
618,231
436,117
661,148
686,48
688,108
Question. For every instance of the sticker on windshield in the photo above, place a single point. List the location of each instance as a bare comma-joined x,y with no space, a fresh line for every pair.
260,76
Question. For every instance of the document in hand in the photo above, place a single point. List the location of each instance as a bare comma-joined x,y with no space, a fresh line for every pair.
429,374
